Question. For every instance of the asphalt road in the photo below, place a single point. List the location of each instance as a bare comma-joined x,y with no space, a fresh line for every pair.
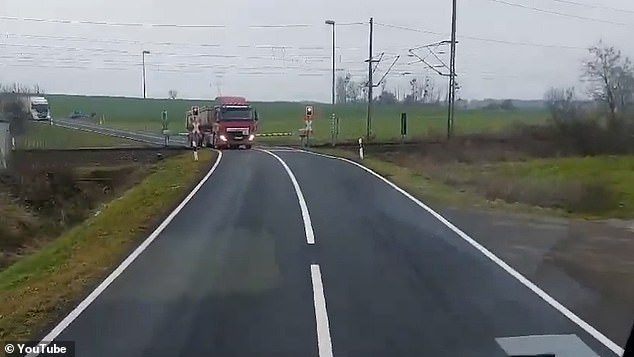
347,267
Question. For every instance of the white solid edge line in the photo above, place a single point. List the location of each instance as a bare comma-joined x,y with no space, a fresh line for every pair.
308,227
324,343
100,289
522,279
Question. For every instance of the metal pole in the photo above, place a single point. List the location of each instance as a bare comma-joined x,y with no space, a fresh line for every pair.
370,85
333,67
143,55
333,133
452,74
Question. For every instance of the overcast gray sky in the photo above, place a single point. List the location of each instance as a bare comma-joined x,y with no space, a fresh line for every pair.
294,63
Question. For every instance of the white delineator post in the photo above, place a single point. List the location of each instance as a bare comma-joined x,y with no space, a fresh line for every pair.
361,148
13,143
195,150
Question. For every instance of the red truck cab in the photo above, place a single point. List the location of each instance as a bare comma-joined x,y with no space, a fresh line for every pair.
234,123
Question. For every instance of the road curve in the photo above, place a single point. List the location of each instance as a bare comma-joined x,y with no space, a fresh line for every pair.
234,274
227,277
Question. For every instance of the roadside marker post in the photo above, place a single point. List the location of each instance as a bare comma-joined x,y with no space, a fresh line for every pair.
195,150
333,129
166,133
361,148
403,127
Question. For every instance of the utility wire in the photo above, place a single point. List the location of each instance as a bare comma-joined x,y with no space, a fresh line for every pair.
128,53
559,13
139,24
504,42
591,6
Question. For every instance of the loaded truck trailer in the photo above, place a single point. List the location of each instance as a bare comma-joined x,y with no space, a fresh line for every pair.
230,123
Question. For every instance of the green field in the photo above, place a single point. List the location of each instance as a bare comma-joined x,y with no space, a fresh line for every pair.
45,136
145,114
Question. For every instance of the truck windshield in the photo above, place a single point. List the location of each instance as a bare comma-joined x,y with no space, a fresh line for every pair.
237,114
40,108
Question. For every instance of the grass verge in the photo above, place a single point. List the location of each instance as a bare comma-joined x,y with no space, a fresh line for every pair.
44,136
434,191
36,290
576,187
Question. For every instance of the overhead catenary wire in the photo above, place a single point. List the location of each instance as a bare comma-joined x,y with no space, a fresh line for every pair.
192,70
558,13
484,39
159,25
593,6
198,68
130,53
144,43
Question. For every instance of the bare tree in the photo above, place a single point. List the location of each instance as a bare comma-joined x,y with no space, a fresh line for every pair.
172,93
423,91
414,90
13,106
362,91
562,104
386,96
431,93
611,78
341,87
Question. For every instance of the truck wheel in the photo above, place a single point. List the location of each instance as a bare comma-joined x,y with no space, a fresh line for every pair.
248,147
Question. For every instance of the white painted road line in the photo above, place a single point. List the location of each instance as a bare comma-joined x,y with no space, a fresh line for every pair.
100,289
308,226
282,150
514,273
324,342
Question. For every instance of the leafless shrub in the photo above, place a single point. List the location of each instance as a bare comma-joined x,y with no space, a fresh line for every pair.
571,196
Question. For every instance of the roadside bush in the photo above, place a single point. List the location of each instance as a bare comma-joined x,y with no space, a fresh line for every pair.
12,109
571,196
583,129
55,195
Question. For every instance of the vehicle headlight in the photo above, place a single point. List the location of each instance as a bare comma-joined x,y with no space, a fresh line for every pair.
251,137
223,138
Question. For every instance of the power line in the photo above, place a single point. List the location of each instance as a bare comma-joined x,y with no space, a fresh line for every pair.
291,57
559,13
139,24
591,6
165,43
325,73
36,61
475,38
111,41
